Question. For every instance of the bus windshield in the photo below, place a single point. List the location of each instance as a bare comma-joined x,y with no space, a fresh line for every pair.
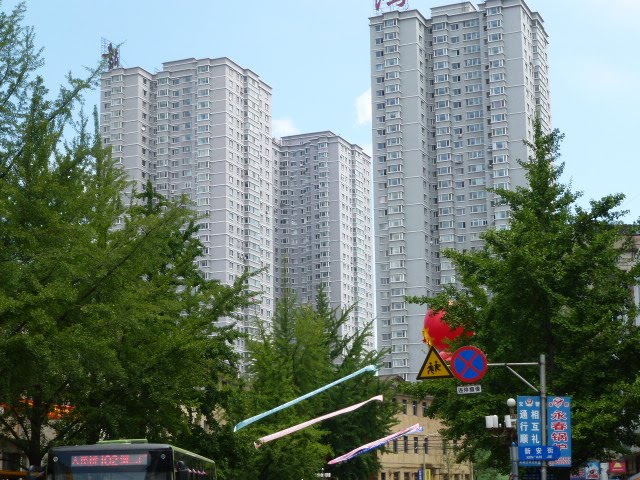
127,462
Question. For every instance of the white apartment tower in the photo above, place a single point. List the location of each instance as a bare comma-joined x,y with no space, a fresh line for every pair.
454,97
203,128
323,223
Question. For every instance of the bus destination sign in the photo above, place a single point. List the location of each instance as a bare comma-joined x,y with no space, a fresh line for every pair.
113,460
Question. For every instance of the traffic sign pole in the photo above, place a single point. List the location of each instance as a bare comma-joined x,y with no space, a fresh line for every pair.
543,396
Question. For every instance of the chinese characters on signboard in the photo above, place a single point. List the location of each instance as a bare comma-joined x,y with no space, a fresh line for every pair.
559,428
529,425
469,389
548,452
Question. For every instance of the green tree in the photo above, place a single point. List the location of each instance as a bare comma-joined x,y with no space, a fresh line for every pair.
549,284
102,308
350,353
280,355
302,351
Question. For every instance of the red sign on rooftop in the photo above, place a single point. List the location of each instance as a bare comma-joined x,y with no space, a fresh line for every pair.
382,6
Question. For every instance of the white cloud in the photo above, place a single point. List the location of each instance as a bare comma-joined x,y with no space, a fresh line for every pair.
363,108
283,127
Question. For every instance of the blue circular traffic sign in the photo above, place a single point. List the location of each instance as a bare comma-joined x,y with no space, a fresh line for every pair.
469,364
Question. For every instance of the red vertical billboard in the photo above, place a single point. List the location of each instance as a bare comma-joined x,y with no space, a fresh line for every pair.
559,429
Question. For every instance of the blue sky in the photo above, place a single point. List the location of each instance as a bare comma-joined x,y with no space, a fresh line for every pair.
315,56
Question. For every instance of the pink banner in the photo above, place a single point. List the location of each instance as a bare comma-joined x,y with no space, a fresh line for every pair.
300,426
375,444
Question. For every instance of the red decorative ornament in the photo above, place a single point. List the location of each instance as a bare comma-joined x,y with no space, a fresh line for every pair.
438,333
445,355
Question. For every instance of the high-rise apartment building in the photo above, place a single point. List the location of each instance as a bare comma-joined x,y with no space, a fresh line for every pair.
203,128
454,97
323,223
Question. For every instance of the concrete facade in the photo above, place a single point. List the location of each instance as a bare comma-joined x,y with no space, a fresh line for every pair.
323,232
454,97
406,456
202,128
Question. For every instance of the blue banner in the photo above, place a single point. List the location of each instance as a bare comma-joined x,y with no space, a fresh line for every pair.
559,429
529,425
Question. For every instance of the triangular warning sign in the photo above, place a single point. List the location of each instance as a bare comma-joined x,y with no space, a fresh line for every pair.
433,367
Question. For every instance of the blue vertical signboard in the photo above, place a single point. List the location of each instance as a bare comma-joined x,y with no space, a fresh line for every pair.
529,424
559,429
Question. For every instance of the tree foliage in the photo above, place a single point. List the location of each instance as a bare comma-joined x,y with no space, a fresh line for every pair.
304,350
106,323
551,284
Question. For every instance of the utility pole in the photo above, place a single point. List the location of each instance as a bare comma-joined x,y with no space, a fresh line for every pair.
543,410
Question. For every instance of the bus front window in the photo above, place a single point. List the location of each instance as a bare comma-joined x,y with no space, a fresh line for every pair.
150,465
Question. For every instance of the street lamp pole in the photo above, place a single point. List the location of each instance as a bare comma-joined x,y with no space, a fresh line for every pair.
509,426
513,447
543,411
424,458
425,448
424,461
424,455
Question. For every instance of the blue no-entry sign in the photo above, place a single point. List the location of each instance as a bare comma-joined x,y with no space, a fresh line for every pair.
469,364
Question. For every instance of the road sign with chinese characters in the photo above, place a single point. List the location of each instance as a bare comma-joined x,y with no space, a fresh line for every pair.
548,452
464,389
529,425
559,429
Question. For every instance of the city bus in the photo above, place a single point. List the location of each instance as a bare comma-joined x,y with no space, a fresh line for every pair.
127,460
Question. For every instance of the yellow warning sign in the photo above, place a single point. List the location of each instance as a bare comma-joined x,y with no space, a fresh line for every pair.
433,367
